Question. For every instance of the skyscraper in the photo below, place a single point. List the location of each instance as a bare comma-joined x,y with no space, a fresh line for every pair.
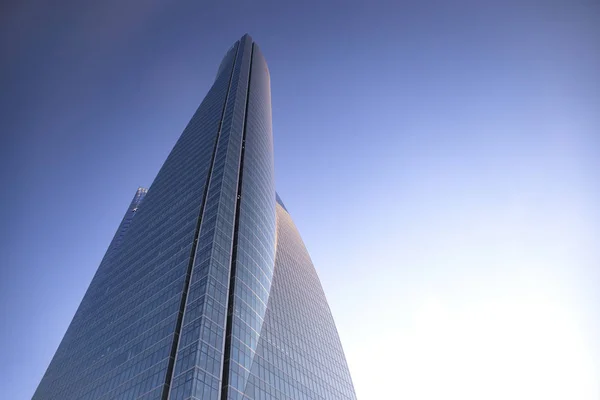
207,291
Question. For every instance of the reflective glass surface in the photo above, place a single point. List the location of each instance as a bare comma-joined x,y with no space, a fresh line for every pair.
119,345
206,290
198,367
254,245
299,354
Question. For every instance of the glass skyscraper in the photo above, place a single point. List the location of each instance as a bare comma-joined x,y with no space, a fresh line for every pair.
206,290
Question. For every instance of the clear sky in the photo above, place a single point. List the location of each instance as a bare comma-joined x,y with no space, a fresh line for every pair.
441,160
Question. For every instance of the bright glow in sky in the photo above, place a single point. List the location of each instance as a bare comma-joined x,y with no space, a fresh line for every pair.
440,159
518,347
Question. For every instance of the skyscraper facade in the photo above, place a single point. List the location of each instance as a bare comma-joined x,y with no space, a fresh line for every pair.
207,291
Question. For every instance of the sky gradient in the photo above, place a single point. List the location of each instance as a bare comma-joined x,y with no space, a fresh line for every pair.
441,162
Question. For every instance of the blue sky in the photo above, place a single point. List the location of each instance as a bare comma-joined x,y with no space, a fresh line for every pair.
440,161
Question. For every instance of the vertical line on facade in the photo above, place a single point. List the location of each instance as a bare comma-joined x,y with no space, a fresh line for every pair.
188,275
230,311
